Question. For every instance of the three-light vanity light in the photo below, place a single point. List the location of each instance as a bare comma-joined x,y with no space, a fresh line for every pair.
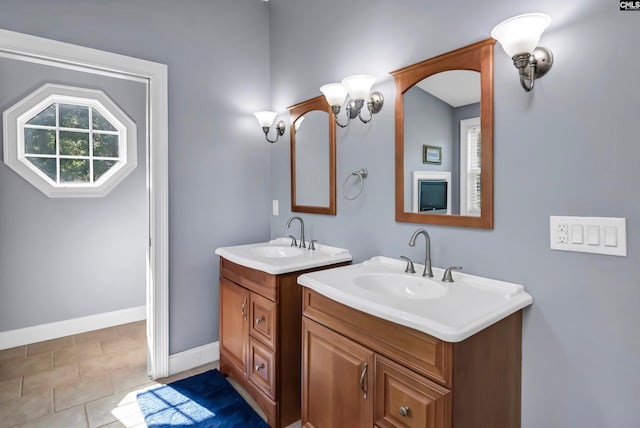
519,37
358,88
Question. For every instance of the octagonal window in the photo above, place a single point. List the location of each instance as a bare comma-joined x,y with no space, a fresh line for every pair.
69,141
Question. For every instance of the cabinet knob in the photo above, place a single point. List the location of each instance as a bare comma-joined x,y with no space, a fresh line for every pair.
258,320
259,367
404,411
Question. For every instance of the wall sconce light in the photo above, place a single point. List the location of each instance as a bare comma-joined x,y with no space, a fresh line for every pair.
358,88
519,37
265,119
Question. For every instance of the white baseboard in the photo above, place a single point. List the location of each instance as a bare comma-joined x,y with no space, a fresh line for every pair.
38,333
194,357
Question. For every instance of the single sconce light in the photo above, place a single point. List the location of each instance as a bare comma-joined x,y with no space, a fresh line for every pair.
358,88
519,37
265,119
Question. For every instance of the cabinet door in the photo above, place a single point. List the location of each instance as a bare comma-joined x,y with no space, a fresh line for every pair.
337,380
406,399
234,324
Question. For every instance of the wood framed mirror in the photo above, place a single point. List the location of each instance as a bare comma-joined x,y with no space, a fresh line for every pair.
444,139
313,157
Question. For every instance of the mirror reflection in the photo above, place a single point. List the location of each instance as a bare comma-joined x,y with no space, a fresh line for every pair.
312,158
313,148
442,144
444,138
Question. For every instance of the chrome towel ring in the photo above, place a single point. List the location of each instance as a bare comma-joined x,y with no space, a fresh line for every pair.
361,174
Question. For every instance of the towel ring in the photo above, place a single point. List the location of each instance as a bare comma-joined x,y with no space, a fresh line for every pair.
361,174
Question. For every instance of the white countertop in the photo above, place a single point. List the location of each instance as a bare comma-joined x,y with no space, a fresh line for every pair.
449,311
277,256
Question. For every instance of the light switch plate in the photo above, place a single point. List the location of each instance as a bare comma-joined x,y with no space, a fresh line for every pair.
598,235
275,207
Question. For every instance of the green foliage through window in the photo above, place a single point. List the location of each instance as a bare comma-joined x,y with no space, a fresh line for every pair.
80,145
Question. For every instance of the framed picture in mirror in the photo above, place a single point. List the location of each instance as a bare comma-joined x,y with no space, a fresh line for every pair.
431,154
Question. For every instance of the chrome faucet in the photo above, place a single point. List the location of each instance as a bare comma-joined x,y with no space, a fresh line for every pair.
427,258
302,243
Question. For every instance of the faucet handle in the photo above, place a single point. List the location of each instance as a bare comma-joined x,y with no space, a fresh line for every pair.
294,243
447,273
312,244
409,268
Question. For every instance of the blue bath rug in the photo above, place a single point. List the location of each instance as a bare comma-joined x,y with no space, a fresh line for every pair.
206,400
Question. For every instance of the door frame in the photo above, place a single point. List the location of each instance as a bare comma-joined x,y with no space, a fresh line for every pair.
24,47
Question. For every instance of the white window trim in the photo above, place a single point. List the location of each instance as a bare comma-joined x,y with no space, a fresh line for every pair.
19,114
23,47
464,151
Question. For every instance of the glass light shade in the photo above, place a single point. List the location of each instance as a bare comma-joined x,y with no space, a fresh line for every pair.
265,118
359,86
521,34
335,93
299,122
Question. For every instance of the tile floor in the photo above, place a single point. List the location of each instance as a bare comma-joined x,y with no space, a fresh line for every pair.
87,380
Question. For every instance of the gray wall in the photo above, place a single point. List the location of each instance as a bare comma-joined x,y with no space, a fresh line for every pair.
427,120
568,148
218,58
65,258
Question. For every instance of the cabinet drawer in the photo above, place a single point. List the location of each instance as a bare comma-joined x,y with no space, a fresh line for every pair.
406,399
262,367
425,354
263,320
252,279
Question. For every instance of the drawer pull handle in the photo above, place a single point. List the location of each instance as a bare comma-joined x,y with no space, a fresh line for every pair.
243,309
258,320
362,377
404,411
259,367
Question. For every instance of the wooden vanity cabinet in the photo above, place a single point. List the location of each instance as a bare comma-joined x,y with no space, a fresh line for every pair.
411,379
260,337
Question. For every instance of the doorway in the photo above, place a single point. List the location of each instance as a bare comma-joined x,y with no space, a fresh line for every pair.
153,76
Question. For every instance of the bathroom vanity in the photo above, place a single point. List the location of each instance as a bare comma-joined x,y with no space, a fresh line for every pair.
260,320
423,354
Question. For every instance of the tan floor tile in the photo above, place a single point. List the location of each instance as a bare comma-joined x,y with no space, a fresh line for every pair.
32,405
82,391
53,378
11,353
102,365
120,407
75,353
137,356
21,366
127,378
49,346
10,389
74,417
123,343
102,334
137,328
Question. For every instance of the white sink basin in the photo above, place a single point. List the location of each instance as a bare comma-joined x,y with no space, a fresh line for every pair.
276,252
449,311
402,286
277,256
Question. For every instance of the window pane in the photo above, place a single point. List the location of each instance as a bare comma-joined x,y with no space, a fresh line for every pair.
39,141
46,117
74,116
101,123
105,145
100,167
46,165
74,143
74,170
